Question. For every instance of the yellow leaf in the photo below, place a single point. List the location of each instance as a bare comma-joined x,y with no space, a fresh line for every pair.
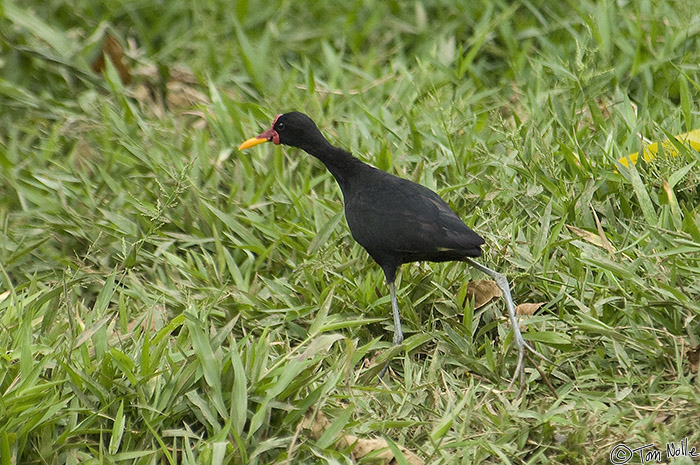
650,151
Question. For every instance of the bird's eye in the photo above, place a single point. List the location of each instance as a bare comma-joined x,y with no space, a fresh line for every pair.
280,126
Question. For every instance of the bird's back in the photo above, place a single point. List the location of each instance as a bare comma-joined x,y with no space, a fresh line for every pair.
399,221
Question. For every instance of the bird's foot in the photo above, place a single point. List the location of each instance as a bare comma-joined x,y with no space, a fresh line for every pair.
523,346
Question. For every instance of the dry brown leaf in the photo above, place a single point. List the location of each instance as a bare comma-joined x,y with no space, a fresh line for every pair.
181,91
528,309
693,358
317,424
593,238
482,291
605,243
150,99
114,50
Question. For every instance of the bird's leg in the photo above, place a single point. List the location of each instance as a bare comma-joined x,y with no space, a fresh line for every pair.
502,283
398,334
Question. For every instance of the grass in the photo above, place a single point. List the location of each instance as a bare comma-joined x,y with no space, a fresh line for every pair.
167,299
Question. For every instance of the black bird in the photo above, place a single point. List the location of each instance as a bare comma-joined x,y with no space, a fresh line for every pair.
396,220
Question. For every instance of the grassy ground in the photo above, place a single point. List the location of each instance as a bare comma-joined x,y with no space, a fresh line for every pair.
167,299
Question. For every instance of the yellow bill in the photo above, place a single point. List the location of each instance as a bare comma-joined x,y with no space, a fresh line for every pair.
252,142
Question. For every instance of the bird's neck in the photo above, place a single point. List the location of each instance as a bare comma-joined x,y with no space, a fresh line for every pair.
339,162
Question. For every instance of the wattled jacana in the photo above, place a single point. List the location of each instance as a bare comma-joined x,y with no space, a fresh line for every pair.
396,220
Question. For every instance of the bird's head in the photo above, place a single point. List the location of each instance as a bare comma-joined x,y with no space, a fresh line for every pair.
294,129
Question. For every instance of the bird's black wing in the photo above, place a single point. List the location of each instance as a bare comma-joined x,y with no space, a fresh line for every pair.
397,219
